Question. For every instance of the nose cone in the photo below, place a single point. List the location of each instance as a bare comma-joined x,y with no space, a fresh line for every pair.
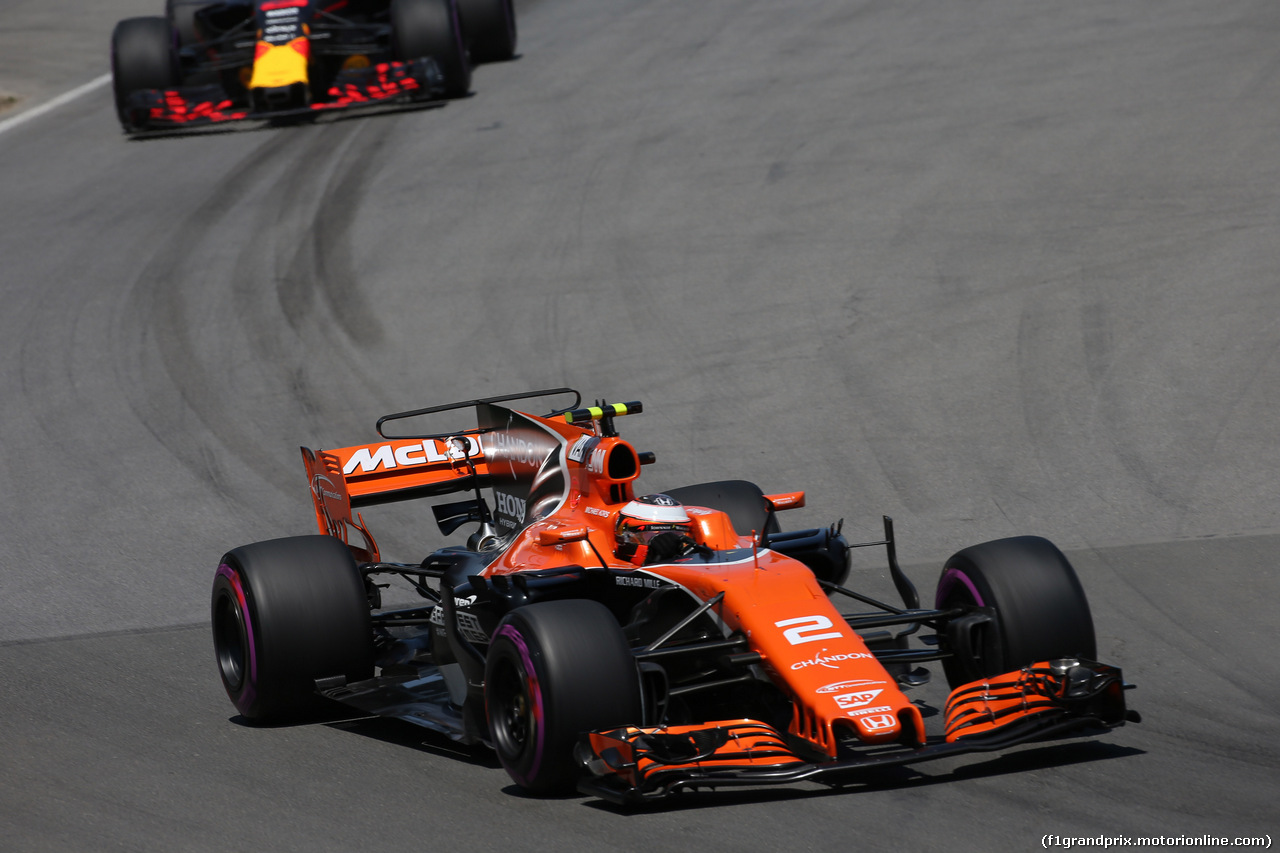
280,66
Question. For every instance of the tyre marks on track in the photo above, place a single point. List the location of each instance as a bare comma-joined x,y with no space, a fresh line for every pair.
255,288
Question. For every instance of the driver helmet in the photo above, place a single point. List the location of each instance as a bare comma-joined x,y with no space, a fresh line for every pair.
647,518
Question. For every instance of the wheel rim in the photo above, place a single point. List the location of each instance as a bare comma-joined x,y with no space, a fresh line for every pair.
958,589
229,642
512,712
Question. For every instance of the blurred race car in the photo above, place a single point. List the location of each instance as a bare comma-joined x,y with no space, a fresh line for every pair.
636,645
206,62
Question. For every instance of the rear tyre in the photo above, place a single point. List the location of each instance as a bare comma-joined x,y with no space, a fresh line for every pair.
142,57
555,670
489,29
742,500
1038,608
430,28
284,613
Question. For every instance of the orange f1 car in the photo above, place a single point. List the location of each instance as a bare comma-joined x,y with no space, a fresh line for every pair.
228,60
637,645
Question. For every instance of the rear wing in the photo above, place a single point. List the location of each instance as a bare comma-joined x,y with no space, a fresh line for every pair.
403,470
408,467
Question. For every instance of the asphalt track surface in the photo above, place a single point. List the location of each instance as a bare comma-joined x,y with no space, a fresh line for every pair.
991,267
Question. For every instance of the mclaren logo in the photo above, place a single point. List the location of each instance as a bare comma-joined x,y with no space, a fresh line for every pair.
390,456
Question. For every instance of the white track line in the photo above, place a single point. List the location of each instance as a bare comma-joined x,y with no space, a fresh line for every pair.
65,97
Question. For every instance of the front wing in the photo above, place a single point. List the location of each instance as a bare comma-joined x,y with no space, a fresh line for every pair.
1043,701
381,84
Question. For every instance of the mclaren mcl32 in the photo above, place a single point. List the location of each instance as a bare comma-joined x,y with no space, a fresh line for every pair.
634,645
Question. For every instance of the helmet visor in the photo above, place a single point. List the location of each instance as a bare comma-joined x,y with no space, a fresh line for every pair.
644,532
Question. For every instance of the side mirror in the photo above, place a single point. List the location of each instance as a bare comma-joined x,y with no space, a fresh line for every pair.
786,500
561,535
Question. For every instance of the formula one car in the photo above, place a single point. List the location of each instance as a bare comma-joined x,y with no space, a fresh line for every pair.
206,62
639,645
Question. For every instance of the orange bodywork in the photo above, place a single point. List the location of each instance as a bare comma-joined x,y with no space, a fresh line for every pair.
806,647
384,471
558,484
706,747
1042,689
759,616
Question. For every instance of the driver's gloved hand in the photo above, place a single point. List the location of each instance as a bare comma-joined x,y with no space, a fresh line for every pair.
667,546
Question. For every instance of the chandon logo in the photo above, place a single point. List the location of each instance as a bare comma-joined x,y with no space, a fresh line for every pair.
318,488
512,448
830,661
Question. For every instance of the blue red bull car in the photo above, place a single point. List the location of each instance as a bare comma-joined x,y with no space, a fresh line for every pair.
634,645
206,62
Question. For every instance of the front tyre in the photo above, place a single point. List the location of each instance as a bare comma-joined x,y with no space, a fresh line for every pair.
1035,608
742,500
430,28
182,17
143,56
284,613
489,29
555,670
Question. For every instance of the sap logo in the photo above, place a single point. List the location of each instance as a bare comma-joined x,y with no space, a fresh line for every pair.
510,505
857,700
389,456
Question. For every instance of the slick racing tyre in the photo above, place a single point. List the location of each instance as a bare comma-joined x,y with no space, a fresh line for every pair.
555,670
142,57
182,17
743,501
286,612
430,28
489,29
1037,608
